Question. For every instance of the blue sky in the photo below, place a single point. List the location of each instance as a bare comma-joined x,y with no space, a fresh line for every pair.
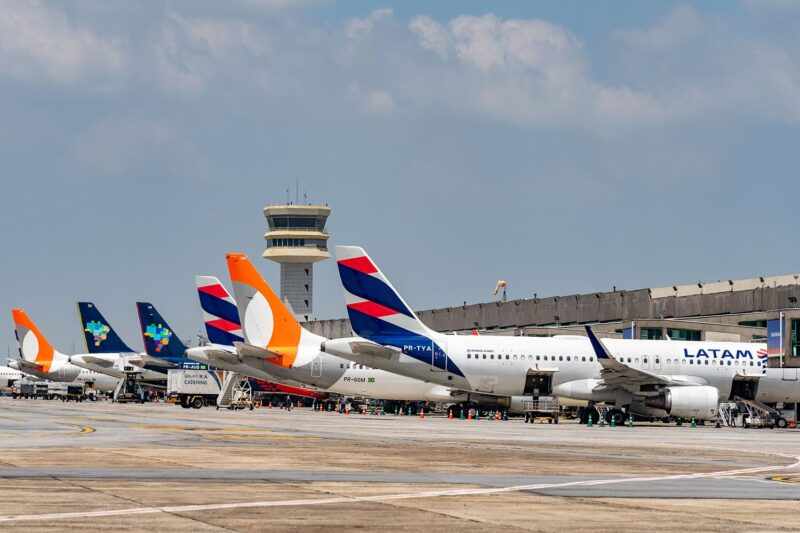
563,146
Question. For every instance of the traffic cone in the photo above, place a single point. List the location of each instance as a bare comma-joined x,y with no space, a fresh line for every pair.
461,414
469,414
497,415
450,414
613,421
589,423
422,413
630,421
694,423
270,405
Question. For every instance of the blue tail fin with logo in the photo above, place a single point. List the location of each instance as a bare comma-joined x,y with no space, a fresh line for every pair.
159,339
99,335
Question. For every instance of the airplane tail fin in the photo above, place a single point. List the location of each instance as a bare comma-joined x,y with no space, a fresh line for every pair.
99,335
159,339
267,322
376,310
220,315
33,345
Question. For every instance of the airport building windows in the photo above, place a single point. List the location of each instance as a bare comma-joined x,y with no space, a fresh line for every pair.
652,334
684,334
795,336
754,323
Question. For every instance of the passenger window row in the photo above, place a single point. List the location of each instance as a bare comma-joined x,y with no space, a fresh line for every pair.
507,357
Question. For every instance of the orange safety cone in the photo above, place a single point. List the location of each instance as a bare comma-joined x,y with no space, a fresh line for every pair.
450,414
422,413
270,405
497,415
469,414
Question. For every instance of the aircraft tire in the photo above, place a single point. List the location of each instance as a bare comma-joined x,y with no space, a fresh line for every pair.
197,402
781,423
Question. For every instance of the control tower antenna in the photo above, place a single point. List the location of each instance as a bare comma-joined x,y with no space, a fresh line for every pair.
296,239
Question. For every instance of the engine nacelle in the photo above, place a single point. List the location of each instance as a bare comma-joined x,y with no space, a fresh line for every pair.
698,401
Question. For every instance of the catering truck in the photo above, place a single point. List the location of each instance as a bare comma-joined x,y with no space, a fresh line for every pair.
193,388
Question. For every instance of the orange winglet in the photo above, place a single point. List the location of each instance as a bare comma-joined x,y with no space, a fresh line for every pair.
23,324
286,330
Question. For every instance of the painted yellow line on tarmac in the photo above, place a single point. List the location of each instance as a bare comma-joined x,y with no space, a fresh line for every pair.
87,429
384,497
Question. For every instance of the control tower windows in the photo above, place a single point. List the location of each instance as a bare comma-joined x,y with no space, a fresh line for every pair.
296,222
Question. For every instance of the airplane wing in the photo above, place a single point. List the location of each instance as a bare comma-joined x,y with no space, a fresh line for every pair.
616,374
255,352
142,359
27,366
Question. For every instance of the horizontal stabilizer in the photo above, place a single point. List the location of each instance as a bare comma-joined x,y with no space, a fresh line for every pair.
256,352
97,361
371,348
27,366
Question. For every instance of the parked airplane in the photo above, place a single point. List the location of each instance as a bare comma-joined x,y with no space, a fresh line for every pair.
279,348
394,339
107,353
38,358
9,376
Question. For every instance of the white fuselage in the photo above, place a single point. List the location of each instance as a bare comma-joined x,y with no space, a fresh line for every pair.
113,365
501,365
65,372
8,376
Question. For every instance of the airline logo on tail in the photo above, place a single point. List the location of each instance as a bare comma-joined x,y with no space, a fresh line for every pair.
99,335
220,314
378,313
33,346
98,330
266,321
159,334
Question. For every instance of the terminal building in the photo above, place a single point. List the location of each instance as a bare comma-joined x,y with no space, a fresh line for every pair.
296,239
731,310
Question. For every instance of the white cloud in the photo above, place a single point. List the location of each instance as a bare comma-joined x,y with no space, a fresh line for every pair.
358,28
191,52
524,71
432,35
37,41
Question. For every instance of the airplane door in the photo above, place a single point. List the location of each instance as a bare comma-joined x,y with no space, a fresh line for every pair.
438,358
316,367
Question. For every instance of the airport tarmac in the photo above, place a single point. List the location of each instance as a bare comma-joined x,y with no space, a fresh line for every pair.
144,467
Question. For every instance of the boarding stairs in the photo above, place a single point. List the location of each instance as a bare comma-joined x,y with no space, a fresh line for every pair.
236,392
747,413
758,413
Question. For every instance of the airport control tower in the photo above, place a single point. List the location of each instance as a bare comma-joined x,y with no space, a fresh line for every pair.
296,239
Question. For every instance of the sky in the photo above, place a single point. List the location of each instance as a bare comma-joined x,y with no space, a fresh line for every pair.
565,147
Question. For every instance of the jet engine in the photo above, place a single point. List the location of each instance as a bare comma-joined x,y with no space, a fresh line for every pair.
698,401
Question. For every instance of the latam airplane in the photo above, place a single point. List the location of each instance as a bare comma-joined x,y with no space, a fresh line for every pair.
107,353
38,358
652,378
277,347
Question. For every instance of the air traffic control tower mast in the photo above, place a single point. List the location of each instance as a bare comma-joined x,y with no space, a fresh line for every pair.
296,239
